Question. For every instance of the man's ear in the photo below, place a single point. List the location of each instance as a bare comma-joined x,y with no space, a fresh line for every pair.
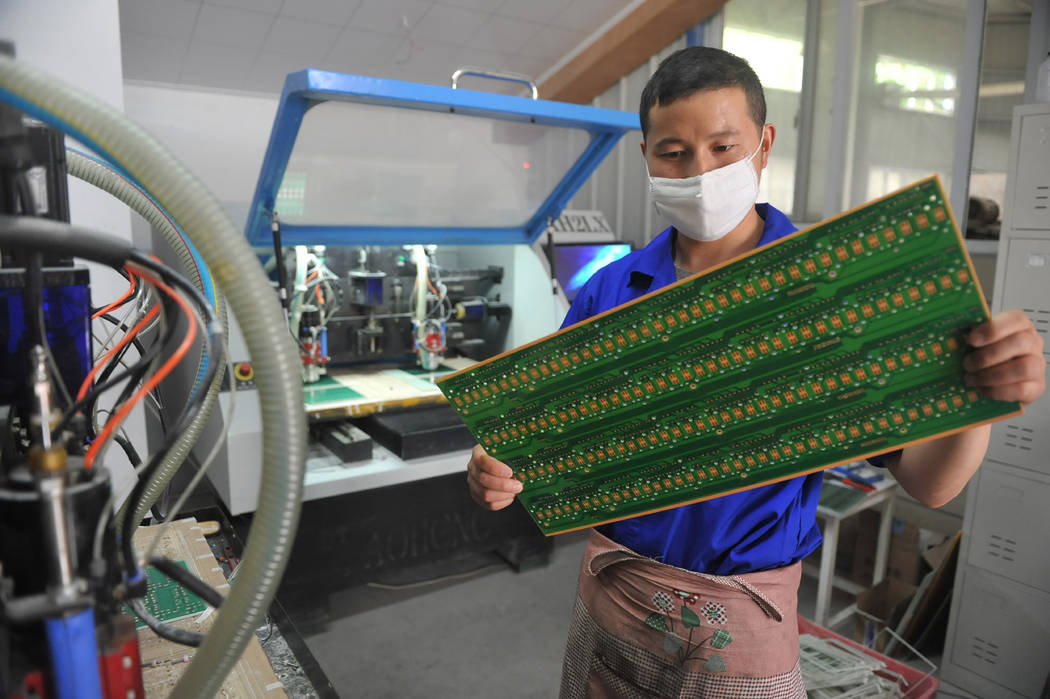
769,134
642,146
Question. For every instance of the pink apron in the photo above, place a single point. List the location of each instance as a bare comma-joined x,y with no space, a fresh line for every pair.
643,629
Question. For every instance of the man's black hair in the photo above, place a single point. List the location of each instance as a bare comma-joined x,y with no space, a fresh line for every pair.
699,68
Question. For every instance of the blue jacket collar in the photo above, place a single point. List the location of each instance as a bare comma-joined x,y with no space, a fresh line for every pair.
655,263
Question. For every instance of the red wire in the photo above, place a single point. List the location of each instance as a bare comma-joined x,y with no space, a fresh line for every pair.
148,386
120,345
317,288
119,302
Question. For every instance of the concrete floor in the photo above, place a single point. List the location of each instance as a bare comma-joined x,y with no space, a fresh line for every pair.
489,632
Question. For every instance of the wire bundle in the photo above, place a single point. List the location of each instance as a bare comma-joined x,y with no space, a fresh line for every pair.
146,275
312,281
258,314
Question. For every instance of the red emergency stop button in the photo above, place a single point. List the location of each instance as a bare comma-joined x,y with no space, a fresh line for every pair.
244,371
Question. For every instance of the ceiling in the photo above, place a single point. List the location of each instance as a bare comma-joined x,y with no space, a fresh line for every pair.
253,44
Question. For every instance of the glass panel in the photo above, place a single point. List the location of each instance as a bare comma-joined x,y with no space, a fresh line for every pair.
824,99
770,36
1001,89
908,67
371,165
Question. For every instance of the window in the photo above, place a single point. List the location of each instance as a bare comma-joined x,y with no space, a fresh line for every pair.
769,35
917,87
1001,89
777,60
908,63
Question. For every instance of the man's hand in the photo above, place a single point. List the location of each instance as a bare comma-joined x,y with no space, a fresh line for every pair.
492,483
1007,362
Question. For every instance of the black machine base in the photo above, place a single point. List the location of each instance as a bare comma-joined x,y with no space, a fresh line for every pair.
419,432
388,534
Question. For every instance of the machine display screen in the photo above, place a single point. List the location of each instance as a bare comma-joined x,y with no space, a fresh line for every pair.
574,264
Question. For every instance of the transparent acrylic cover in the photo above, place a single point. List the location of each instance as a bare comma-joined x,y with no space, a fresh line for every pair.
389,166
357,160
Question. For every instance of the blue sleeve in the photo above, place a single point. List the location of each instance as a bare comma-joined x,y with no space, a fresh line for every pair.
880,459
582,306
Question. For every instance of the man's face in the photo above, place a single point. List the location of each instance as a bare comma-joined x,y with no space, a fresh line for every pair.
702,132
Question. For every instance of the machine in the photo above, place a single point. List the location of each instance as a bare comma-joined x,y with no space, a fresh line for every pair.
354,305
418,210
406,219
69,572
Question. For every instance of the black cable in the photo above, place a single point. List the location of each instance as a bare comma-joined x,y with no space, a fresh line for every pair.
282,273
100,387
129,449
141,369
134,293
26,233
165,631
36,234
188,580
34,298
216,358
134,377
81,404
135,342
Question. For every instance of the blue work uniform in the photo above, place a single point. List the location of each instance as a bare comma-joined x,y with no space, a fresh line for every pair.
767,527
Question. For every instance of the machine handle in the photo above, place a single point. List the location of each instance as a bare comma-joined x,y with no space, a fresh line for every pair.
495,75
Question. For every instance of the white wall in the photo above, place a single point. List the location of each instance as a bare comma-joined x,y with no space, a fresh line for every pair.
79,43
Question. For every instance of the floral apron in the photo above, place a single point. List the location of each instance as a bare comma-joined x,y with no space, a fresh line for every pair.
644,629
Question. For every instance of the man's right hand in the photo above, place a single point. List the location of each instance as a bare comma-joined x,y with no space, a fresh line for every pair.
492,483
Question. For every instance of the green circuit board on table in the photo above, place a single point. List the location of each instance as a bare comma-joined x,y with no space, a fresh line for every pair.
167,600
842,341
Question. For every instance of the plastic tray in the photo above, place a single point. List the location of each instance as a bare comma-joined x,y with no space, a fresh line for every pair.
919,686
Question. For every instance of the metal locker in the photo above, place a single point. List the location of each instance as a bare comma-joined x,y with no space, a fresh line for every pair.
1024,440
1009,532
1030,205
998,641
1003,646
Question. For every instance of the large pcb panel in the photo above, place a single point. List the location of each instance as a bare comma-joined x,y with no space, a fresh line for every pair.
839,342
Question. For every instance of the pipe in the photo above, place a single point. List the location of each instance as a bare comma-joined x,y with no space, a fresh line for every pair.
74,655
107,178
255,306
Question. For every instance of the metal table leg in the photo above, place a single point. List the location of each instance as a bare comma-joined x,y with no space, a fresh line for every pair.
827,568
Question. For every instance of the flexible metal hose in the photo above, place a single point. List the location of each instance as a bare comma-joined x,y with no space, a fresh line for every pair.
255,306
103,177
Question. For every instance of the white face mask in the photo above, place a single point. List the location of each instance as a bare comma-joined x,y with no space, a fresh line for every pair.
706,207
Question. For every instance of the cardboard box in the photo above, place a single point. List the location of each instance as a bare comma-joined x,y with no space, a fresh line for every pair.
879,606
904,561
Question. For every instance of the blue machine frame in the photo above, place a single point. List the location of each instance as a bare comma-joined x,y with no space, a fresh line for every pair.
309,87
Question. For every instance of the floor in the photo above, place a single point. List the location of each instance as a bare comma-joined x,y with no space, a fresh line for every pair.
483,632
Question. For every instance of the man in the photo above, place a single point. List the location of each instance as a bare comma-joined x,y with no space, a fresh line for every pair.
700,600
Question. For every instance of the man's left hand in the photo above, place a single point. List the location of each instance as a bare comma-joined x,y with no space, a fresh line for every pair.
1007,361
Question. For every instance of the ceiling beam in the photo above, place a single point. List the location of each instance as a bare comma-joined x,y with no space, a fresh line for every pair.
646,31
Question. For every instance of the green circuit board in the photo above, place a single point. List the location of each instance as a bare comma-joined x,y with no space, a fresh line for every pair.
842,341
166,600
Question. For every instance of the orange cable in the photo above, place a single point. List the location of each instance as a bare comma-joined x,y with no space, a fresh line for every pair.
121,300
148,386
124,341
